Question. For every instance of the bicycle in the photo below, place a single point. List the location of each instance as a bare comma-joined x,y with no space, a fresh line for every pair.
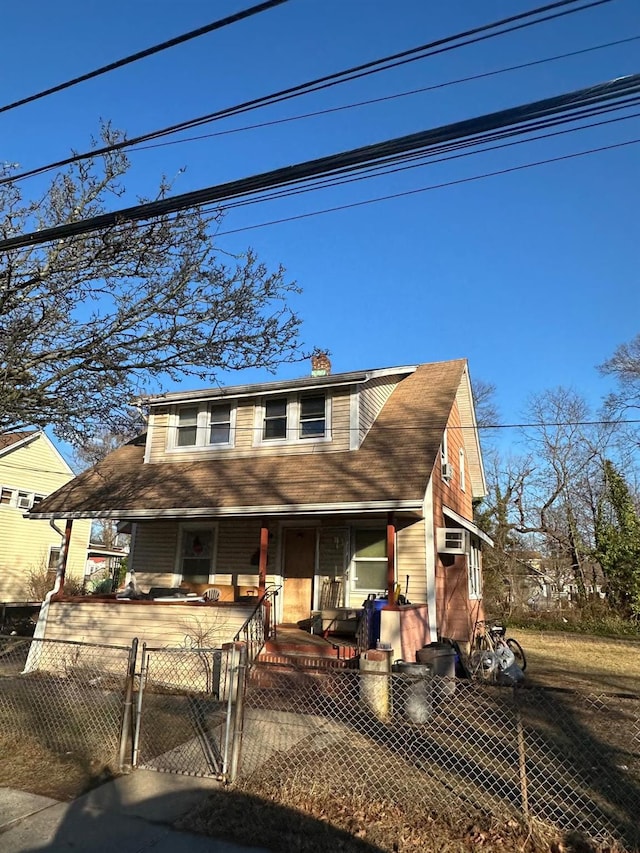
494,651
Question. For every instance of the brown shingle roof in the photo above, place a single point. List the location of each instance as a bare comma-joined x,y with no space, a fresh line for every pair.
11,438
393,465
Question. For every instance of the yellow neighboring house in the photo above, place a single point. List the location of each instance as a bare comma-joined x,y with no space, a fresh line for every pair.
30,469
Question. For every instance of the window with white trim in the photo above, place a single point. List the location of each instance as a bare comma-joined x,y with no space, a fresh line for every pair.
369,566
445,465
209,425
19,498
475,575
463,482
293,418
196,553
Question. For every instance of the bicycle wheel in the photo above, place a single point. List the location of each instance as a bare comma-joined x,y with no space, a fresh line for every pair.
516,648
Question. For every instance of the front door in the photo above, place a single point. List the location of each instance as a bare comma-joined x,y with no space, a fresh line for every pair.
298,572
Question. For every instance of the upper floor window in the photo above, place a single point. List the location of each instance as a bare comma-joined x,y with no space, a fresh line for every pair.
187,427
294,417
204,426
313,416
463,479
275,418
19,498
445,465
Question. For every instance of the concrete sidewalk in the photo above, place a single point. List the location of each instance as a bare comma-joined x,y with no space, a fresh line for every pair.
130,814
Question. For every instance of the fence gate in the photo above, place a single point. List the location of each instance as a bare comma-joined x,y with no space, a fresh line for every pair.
188,707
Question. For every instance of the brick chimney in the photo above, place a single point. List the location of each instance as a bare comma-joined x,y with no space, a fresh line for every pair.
320,364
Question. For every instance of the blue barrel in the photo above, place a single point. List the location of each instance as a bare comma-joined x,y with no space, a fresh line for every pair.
374,606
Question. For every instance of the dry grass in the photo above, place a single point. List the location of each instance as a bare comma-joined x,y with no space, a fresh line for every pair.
29,766
579,662
299,818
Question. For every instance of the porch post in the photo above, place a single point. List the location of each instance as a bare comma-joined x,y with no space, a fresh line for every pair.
262,565
391,558
61,568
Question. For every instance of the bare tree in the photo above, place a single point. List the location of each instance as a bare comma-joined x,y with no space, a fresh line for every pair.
89,322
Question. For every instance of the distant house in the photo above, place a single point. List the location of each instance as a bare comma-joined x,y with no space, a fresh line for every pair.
30,469
335,487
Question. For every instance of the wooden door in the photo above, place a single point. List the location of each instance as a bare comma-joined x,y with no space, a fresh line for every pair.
298,572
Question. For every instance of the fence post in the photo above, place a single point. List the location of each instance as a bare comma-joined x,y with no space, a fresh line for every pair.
238,716
522,758
127,716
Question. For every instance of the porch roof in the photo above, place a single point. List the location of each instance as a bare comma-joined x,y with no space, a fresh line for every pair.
390,471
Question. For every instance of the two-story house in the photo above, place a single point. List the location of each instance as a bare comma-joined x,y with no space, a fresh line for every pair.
30,469
333,486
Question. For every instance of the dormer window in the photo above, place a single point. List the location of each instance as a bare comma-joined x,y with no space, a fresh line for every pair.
206,425
220,424
275,418
312,416
298,416
187,427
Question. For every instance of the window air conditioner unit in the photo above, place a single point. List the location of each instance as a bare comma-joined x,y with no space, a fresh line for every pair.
447,470
453,540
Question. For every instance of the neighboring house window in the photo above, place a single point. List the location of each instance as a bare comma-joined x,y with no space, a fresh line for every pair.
275,419
195,562
312,416
475,580
294,418
462,476
370,561
204,426
24,500
54,558
18,498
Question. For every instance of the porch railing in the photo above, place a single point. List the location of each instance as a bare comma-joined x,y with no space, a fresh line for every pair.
261,624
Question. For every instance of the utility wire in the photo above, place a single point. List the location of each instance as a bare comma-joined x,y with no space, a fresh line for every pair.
365,103
419,190
150,51
373,67
358,158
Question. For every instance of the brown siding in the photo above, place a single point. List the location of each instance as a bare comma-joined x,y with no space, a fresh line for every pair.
456,612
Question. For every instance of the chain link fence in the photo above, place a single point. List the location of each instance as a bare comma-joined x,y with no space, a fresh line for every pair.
187,706
568,760
66,696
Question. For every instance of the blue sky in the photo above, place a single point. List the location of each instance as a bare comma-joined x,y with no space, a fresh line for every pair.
533,276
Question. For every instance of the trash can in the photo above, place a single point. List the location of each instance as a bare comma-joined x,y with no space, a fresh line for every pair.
441,657
412,691
374,605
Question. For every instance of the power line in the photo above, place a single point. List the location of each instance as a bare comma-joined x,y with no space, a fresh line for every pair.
443,185
375,66
150,51
355,159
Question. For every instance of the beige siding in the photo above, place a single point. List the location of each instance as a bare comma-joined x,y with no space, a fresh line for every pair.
245,433
411,561
372,398
155,544
164,625
25,543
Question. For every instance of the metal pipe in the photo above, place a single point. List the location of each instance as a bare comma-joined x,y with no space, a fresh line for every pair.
127,716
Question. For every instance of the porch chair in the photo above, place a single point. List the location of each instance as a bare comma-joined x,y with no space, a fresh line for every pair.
211,594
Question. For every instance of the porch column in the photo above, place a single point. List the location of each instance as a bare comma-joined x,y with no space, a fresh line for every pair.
262,564
61,568
391,558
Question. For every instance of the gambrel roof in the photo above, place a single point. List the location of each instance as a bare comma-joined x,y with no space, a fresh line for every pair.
389,471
